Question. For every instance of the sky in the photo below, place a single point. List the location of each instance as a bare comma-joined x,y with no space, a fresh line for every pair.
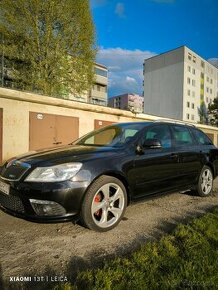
129,31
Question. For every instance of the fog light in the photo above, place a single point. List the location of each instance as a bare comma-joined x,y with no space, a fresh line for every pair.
47,208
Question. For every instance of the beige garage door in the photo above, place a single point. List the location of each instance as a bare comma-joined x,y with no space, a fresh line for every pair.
1,133
100,123
49,130
211,136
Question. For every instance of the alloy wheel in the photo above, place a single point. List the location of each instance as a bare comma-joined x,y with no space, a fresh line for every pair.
108,205
206,181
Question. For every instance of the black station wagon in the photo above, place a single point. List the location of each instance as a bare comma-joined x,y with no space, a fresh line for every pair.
97,176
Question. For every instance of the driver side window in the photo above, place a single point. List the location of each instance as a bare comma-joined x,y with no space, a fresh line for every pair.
161,133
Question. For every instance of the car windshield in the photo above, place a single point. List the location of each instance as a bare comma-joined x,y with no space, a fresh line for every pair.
115,135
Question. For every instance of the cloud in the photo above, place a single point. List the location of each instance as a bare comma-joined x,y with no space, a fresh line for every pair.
120,10
125,69
213,61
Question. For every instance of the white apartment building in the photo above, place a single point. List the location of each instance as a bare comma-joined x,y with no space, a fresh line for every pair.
177,82
98,93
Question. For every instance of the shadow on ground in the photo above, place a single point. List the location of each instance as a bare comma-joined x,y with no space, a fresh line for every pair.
97,258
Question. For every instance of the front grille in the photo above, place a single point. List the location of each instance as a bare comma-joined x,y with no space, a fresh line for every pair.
11,202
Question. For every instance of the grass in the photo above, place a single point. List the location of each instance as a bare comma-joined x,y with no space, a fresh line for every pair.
186,259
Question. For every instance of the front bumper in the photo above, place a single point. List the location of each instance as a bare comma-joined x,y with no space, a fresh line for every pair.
44,202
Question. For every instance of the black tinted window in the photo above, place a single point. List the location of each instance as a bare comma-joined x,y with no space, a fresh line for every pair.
162,133
201,138
182,136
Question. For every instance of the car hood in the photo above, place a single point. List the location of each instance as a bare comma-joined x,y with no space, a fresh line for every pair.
63,154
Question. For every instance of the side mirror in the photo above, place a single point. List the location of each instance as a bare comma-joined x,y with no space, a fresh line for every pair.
152,144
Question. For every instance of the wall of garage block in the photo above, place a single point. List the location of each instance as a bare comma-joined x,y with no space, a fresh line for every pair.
30,122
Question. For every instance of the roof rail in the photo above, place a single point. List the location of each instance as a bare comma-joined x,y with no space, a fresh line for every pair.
175,122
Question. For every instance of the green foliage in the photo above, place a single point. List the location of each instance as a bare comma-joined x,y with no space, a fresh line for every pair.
213,111
50,44
203,113
187,259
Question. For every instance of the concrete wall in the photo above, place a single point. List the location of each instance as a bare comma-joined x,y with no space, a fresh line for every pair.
16,106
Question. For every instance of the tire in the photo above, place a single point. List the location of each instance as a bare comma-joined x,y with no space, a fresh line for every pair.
205,181
104,204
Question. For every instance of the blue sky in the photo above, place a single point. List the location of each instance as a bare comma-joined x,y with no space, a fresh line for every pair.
129,31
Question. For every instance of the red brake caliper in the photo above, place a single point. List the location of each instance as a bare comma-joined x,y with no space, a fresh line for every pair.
98,199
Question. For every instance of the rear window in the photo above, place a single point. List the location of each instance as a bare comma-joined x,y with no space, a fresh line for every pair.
182,136
201,138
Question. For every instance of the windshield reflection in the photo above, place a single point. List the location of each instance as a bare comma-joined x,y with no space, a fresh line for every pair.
114,136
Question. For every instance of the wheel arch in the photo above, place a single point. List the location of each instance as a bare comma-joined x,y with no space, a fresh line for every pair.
211,166
117,175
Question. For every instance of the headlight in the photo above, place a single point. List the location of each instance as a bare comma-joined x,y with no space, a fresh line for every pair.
54,173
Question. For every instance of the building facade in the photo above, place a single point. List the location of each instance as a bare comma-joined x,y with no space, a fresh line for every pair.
130,102
177,83
98,94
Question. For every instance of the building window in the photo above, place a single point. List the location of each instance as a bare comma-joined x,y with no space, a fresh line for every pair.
194,59
101,72
207,89
189,68
211,91
207,79
193,94
189,92
187,116
193,105
188,80
193,83
202,64
193,71
189,56
207,100
188,104
211,81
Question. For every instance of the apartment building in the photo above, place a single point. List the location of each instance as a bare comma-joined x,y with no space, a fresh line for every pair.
130,102
177,82
98,93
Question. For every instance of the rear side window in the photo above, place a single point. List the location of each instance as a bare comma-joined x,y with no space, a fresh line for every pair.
162,133
182,136
201,138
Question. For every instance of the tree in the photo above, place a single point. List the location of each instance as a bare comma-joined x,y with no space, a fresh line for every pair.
50,44
203,113
213,112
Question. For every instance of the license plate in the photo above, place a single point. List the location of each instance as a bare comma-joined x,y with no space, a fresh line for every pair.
4,187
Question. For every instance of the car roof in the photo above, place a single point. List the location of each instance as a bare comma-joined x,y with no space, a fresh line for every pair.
169,122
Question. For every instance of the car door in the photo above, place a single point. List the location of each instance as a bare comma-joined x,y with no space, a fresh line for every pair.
187,151
156,170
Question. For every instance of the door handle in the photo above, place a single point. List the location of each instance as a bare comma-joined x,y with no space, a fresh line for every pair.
174,156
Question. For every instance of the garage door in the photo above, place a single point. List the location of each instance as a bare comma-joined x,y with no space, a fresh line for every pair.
1,133
49,130
100,123
211,136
